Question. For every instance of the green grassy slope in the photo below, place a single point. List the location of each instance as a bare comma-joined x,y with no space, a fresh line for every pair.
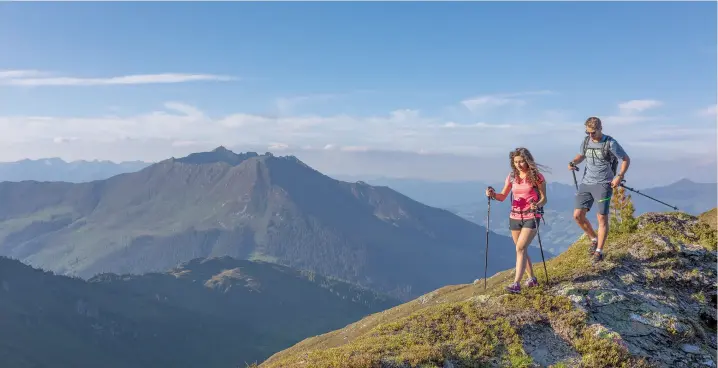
651,302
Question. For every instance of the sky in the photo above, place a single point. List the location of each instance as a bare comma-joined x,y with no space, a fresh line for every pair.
431,90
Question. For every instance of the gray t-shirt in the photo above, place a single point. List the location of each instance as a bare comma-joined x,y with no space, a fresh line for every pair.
598,168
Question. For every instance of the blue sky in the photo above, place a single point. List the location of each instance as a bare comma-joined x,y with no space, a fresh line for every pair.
472,79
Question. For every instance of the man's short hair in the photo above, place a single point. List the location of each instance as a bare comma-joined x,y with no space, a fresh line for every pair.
593,123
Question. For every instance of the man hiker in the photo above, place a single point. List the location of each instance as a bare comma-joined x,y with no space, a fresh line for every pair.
601,153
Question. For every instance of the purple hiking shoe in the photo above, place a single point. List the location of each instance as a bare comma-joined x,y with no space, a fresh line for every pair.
514,288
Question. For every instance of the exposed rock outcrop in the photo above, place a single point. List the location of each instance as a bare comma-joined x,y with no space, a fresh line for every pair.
650,303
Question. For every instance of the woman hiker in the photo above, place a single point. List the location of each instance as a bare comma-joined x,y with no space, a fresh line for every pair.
528,191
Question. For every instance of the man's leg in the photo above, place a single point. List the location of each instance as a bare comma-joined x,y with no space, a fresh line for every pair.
603,206
579,215
584,201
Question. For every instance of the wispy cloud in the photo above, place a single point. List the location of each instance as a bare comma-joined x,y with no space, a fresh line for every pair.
34,78
497,100
287,104
631,112
177,129
634,106
624,119
478,125
709,111
11,74
404,130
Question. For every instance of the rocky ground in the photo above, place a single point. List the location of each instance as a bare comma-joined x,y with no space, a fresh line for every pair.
650,303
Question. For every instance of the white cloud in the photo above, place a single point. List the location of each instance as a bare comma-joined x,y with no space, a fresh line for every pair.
6,74
356,148
34,78
287,104
187,128
404,130
630,112
275,146
623,119
452,124
633,106
185,109
60,140
186,143
497,100
710,111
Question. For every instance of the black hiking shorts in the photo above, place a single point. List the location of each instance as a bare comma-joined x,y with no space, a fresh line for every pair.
528,223
588,194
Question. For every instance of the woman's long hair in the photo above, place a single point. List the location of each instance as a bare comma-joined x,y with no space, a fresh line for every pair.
534,168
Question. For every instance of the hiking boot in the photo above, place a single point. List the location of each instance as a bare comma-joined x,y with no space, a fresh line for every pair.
531,282
597,257
592,247
514,288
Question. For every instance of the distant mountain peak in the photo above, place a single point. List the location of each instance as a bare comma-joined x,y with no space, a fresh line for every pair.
219,154
222,149
225,155
684,181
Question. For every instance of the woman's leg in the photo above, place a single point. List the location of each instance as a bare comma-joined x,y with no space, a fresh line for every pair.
529,265
525,237
515,234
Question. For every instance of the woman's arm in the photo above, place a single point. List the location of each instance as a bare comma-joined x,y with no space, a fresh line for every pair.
504,193
542,194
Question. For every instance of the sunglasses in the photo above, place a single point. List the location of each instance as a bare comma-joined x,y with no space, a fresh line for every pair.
591,133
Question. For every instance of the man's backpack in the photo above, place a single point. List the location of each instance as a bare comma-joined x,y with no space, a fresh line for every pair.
606,153
538,193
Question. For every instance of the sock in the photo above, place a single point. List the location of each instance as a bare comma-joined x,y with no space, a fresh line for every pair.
598,250
594,240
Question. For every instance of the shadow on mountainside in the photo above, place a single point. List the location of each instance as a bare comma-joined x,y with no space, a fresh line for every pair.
650,303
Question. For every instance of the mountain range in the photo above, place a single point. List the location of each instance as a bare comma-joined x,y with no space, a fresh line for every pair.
246,206
464,198
218,312
56,169
560,230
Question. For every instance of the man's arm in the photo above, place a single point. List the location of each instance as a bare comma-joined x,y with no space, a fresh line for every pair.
618,150
624,166
578,159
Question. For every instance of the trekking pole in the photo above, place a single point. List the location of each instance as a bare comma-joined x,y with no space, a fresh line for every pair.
538,234
645,195
573,171
486,253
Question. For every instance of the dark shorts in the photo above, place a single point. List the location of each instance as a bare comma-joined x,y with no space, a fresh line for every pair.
588,194
515,224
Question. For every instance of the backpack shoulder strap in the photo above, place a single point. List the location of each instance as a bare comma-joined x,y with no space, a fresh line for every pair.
606,148
511,192
607,140
584,146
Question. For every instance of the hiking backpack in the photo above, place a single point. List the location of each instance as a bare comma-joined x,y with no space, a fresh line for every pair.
605,152
538,193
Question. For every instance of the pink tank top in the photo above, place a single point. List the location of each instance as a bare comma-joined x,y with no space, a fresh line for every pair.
523,192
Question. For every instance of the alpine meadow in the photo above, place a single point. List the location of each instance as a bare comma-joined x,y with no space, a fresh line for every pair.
359,184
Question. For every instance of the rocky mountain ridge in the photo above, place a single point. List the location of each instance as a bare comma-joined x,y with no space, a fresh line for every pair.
650,303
